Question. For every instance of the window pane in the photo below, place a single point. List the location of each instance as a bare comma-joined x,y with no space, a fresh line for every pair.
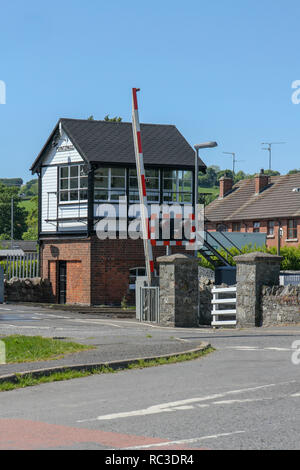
64,172
73,183
187,175
170,174
117,182
82,171
101,195
64,184
133,182
74,171
118,172
101,182
152,173
167,197
187,197
64,196
83,194
132,172
152,183
115,195
73,195
101,172
153,196
168,184
83,182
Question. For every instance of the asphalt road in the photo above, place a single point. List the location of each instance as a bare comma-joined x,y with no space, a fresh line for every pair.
245,395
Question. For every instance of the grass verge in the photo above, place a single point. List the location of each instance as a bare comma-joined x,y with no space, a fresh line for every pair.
22,381
35,348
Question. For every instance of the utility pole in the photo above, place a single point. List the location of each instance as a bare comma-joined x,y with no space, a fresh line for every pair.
12,222
234,160
269,149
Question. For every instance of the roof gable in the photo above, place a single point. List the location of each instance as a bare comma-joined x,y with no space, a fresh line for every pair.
112,143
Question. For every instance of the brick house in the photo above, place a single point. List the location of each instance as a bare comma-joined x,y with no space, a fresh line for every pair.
84,165
263,204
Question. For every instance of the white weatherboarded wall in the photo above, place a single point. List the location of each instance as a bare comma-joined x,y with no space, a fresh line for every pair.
63,154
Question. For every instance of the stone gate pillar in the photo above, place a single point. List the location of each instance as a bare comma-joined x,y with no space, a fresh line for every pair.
254,270
178,282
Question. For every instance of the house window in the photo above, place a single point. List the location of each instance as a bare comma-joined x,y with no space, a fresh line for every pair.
271,228
292,229
256,227
177,186
236,227
109,184
222,228
73,183
152,185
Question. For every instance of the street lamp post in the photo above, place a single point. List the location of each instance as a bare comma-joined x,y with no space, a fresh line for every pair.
197,147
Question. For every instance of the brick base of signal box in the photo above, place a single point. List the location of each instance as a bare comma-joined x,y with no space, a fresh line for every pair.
97,271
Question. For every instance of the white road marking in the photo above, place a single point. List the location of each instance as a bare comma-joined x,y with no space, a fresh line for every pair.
255,348
185,441
296,395
96,322
245,400
177,405
7,309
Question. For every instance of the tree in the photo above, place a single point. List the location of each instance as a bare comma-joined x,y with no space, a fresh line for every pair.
91,118
114,119
30,189
12,181
293,172
6,195
32,221
271,173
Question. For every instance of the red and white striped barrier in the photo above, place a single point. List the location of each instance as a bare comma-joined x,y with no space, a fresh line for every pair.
142,186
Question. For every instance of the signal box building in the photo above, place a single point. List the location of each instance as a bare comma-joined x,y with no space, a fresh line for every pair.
84,166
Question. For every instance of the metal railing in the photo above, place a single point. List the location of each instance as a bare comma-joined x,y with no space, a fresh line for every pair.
22,267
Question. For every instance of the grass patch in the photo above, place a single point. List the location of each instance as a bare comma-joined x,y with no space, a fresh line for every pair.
35,348
29,380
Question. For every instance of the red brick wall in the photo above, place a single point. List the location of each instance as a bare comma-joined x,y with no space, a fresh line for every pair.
77,254
97,270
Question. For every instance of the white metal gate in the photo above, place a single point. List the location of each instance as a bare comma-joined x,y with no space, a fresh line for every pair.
224,306
148,304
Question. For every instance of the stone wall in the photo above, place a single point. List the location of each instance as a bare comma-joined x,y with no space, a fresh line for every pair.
205,297
253,271
28,290
179,290
280,305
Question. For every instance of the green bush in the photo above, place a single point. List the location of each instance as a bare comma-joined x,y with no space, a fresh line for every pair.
290,254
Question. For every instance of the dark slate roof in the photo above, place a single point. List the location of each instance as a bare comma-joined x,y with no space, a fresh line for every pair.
112,143
27,246
277,200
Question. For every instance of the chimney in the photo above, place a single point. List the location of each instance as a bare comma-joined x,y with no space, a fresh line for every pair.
261,182
226,184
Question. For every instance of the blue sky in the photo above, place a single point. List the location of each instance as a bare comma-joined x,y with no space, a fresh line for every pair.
218,70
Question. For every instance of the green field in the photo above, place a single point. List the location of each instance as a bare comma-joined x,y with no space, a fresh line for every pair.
28,204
